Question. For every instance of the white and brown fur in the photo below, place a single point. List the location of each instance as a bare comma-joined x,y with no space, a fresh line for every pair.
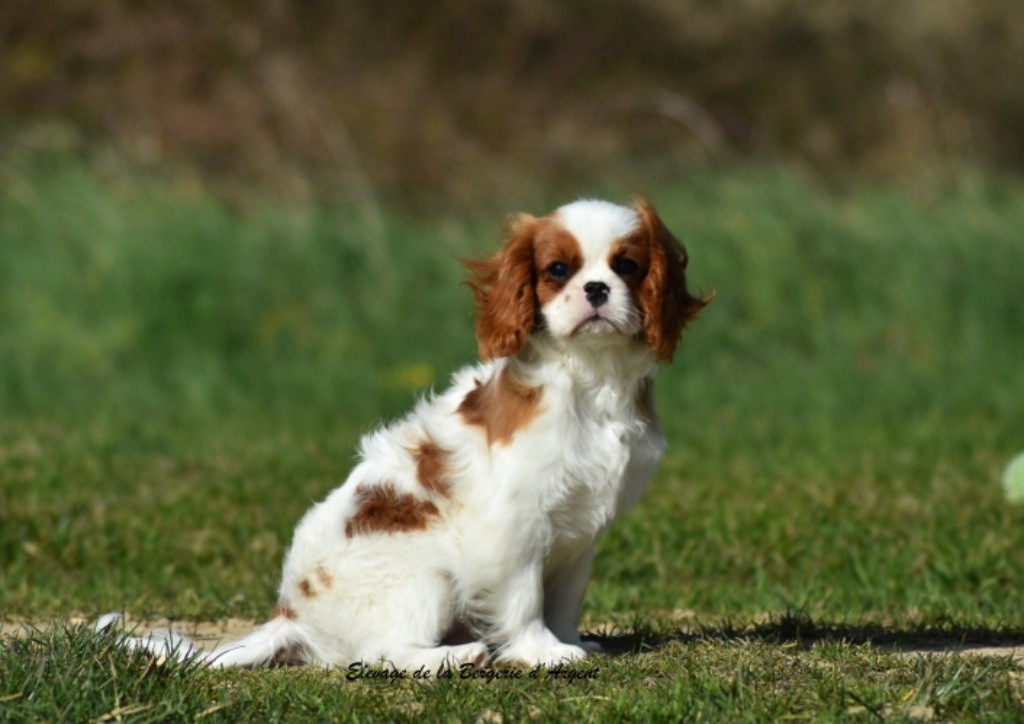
467,529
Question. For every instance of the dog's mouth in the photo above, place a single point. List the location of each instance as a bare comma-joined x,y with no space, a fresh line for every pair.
596,324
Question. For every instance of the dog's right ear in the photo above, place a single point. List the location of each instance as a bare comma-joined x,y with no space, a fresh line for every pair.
505,289
666,303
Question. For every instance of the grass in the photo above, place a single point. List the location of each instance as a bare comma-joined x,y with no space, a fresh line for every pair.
67,673
180,380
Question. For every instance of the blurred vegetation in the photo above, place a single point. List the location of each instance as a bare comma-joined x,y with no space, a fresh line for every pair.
473,100
149,298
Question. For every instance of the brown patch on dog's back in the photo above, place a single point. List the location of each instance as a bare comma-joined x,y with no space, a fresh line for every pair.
285,611
324,577
502,407
321,580
431,467
382,509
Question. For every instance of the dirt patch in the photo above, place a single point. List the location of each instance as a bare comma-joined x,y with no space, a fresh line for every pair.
1014,652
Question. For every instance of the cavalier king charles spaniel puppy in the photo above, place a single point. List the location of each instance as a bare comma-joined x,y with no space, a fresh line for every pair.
467,529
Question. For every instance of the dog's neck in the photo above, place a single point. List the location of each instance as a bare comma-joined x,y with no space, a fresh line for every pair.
597,362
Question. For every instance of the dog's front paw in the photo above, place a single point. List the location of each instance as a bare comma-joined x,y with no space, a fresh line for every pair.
544,655
563,654
591,647
560,654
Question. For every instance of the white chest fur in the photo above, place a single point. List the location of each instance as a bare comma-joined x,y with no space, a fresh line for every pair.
589,457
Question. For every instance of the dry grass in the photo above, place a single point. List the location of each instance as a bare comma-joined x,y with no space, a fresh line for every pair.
491,100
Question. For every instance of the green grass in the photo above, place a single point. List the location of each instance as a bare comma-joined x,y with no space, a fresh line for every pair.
180,380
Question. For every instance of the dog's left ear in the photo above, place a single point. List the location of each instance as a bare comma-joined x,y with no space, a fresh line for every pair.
664,300
506,297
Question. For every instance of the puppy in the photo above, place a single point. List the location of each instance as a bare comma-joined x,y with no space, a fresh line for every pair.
468,527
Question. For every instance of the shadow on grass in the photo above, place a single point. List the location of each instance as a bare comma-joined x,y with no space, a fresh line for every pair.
802,630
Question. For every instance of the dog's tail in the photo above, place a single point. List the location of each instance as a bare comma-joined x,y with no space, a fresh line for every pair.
278,636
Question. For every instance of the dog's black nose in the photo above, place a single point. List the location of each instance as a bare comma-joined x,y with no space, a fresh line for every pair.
597,293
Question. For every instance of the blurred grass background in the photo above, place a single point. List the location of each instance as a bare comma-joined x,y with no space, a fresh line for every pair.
143,299
227,244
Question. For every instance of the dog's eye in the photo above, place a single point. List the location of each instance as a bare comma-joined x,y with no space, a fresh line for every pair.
559,271
624,267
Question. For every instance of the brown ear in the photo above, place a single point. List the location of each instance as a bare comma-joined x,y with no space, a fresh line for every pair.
504,286
665,302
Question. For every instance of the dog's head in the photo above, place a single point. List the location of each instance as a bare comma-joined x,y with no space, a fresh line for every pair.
589,270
